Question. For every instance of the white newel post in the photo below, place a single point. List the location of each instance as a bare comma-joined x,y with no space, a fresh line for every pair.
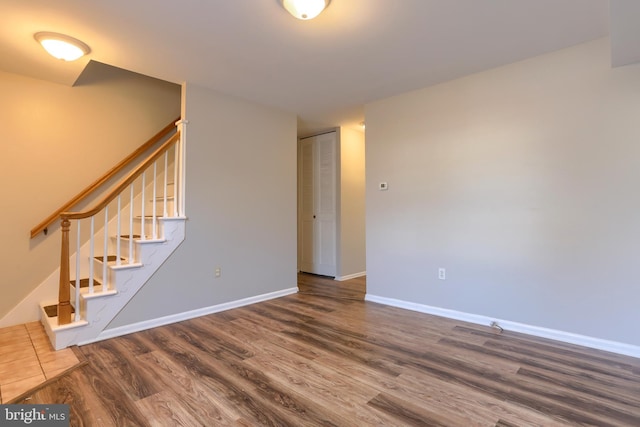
182,167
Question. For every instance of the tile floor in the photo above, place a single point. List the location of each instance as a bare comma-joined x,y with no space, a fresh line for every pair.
27,359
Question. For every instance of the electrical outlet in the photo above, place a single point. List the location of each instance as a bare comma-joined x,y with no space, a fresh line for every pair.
442,274
218,272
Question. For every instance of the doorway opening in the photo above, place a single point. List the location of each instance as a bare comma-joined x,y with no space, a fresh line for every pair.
331,214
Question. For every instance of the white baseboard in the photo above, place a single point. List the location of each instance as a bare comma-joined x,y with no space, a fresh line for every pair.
166,320
350,276
567,337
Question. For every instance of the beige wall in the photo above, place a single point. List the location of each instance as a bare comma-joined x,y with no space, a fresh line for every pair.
241,209
56,140
522,182
351,248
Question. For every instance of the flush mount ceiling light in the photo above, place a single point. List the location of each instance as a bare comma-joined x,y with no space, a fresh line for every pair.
305,9
62,46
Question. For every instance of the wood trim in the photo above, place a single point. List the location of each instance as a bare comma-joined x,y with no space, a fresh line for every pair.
104,178
124,183
82,361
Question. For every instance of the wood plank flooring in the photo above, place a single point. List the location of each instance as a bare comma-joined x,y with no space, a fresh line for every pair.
306,360
312,284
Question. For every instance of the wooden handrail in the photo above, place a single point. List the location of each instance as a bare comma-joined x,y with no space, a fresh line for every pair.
124,183
104,178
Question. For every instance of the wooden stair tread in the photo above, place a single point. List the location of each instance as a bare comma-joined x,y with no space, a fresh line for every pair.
84,283
52,310
137,237
110,258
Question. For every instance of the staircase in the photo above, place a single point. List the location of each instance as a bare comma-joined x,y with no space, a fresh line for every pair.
110,251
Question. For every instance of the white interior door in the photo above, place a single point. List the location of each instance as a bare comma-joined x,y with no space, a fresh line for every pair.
306,212
317,227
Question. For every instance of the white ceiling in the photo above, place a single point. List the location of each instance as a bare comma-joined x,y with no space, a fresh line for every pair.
324,70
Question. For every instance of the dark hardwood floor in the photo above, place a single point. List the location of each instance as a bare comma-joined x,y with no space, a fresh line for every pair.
306,360
312,284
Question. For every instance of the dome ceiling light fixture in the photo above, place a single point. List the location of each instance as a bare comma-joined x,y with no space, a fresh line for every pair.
62,46
305,9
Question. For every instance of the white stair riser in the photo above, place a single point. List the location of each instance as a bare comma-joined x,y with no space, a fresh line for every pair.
148,226
124,248
98,272
129,253
79,305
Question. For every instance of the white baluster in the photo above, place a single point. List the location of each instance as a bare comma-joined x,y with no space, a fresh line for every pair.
91,253
77,306
182,127
178,186
118,232
164,190
105,255
175,179
142,234
131,225
153,205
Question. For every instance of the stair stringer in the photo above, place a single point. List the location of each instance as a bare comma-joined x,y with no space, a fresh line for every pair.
99,309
